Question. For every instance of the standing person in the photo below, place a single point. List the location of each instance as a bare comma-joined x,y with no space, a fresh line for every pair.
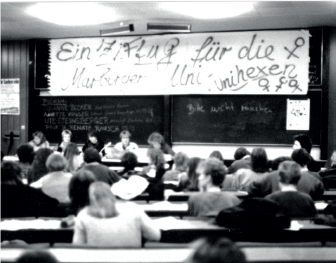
94,141
38,167
157,141
56,182
211,200
126,145
66,139
108,222
73,157
39,141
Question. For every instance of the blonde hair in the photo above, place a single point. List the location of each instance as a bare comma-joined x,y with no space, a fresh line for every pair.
102,201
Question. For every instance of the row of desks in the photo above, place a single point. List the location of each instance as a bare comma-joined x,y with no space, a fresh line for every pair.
263,254
173,231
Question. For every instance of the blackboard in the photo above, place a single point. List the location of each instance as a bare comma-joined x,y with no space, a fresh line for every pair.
240,119
107,115
315,54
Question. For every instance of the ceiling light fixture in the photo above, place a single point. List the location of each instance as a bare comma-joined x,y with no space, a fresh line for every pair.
168,27
117,30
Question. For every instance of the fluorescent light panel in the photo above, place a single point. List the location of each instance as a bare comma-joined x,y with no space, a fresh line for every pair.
168,27
117,30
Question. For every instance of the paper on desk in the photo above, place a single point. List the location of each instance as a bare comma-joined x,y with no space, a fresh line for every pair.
15,224
165,205
167,223
295,225
320,205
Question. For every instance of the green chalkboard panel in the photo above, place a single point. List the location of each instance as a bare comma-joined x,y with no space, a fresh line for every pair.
107,115
240,119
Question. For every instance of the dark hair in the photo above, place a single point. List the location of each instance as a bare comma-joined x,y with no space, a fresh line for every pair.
301,156
11,173
240,153
259,161
39,168
40,135
218,155
305,141
215,168
37,256
276,162
91,155
216,250
290,172
70,151
157,157
25,153
129,161
192,174
93,133
79,189
156,137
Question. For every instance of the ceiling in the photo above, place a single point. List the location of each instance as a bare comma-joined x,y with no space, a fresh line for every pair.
17,25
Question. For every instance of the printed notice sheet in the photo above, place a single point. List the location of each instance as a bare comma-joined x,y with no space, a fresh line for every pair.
10,96
298,114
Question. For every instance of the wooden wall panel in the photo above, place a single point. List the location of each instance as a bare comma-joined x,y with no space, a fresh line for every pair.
14,64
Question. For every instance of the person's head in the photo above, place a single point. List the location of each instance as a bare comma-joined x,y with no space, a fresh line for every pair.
289,172
56,162
156,140
276,162
91,155
125,137
240,153
302,141
10,173
79,188
156,157
39,138
102,200
301,156
192,174
180,161
25,153
211,173
36,256
218,155
66,136
93,136
71,150
213,250
41,157
129,161
259,160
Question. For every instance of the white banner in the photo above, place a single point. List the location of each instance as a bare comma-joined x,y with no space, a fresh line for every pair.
254,62
10,96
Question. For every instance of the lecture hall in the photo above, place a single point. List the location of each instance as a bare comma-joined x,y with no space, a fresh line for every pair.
168,131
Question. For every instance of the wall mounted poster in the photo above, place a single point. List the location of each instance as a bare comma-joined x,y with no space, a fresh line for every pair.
298,114
10,96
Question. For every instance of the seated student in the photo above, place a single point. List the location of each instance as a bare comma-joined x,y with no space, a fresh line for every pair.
56,182
259,169
73,156
38,168
211,200
66,139
154,173
218,155
126,145
179,168
189,182
309,183
94,141
34,256
242,160
39,141
129,161
19,200
292,202
304,141
331,161
215,250
329,175
108,222
277,161
26,154
157,141
92,161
